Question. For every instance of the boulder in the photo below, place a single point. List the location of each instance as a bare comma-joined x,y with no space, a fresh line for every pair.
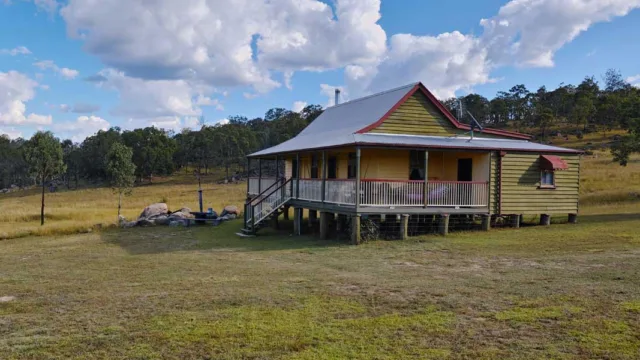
185,210
230,209
228,217
145,223
162,220
128,224
154,210
175,223
179,215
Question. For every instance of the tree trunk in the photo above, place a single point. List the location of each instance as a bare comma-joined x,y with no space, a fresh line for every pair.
119,206
42,207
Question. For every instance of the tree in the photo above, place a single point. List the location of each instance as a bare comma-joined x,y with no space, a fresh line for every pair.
43,153
120,170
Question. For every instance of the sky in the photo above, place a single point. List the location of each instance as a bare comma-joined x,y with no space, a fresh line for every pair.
78,66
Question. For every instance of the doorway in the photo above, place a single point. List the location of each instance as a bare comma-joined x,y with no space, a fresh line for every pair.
332,167
465,169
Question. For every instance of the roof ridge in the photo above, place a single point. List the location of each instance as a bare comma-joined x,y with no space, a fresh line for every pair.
374,95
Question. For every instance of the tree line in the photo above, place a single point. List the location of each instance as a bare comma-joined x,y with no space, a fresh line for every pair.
587,107
590,106
155,152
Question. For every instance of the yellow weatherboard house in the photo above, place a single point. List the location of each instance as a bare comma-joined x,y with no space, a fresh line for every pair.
401,155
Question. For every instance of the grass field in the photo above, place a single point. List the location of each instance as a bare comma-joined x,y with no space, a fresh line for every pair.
68,212
563,292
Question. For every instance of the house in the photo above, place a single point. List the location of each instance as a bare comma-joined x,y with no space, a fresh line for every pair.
400,155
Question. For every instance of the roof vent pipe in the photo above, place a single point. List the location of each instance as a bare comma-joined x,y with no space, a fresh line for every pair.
337,97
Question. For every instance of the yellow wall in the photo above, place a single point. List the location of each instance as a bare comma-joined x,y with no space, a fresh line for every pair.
521,179
417,116
394,164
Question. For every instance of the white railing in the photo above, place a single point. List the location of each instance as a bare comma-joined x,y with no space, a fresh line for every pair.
341,192
457,194
310,190
262,208
257,185
391,193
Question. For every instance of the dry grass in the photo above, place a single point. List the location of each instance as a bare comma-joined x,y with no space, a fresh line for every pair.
68,212
564,292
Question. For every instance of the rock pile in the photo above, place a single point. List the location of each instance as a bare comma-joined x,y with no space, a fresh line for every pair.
159,214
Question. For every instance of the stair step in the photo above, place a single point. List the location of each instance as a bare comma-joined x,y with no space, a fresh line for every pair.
242,234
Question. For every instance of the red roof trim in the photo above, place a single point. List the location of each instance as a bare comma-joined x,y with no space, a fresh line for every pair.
447,114
552,162
391,111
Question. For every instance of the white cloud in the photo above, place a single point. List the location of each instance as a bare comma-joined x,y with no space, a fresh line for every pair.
49,6
64,72
213,40
221,122
81,128
79,108
11,132
69,73
149,99
525,33
634,80
20,50
15,90
298,106
167,53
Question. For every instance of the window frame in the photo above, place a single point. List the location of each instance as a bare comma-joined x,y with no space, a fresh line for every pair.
417,159
544,185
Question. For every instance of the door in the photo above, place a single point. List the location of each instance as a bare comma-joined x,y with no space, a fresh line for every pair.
465,169
332,168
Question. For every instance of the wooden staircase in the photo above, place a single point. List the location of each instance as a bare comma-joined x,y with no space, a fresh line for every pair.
258,211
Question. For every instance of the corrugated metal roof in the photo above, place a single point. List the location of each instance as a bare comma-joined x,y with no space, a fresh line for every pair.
338,126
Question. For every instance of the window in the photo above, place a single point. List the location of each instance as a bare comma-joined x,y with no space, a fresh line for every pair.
547,179
314,166
416,165
351,172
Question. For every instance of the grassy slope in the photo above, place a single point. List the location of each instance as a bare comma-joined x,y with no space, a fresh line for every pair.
565,292
69,212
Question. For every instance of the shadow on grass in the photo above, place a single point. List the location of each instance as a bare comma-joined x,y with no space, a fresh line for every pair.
605,218
162,239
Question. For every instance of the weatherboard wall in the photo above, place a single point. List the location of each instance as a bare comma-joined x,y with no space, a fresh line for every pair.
520,192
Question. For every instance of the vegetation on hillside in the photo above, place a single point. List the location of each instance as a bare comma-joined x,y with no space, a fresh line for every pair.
591,107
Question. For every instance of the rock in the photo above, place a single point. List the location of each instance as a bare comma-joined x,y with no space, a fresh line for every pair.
231,209
162,220
154,210
4,299
185,210
144,223
228,217
179,215
128,224
175,223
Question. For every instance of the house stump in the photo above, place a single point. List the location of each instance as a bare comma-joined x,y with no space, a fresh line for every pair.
545,220
404,227
573,218
486,222
324,225
297,221
515,221
443,226
355,230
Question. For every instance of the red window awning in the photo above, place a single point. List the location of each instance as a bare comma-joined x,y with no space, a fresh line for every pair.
552,162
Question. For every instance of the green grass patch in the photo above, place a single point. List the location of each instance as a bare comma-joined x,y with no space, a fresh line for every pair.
529,315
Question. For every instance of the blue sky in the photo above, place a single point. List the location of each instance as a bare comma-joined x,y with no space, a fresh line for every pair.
74,67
